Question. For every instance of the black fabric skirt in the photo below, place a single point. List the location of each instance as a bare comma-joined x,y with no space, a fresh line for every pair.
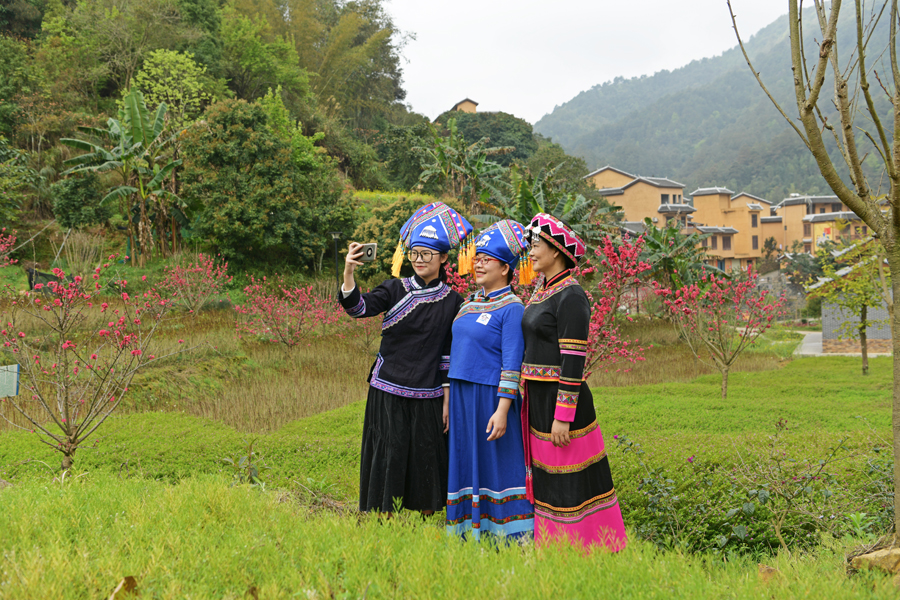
404,453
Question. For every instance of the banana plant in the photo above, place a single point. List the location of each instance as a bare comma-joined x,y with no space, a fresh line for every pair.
464,169
134,148
526,195
676,259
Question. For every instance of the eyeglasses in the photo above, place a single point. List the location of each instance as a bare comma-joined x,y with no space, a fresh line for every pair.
425,255
483,260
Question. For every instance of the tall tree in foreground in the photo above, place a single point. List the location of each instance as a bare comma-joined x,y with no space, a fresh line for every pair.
866,96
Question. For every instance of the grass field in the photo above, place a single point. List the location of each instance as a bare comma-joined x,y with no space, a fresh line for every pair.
202,539
150,496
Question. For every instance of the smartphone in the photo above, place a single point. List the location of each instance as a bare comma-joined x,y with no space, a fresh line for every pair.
368,252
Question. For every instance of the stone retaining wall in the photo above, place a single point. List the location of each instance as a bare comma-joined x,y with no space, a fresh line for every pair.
852,346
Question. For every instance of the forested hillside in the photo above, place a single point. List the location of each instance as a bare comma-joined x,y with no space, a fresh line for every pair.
707,123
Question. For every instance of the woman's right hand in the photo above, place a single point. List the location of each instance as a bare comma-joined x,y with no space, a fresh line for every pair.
351,261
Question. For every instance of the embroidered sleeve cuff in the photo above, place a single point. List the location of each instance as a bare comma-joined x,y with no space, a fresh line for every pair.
570,386
353,302
507,392
573,347
444,365
566,402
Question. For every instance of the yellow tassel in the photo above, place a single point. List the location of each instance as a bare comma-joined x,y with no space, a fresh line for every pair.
461,259
472,252
397,261
526,273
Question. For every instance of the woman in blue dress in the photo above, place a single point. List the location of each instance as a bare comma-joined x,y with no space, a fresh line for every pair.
486,487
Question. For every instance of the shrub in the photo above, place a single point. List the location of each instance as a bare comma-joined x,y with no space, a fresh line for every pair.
77,202
195,284
282,314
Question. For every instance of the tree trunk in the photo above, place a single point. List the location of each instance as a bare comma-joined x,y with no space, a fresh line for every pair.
863,342
67,462
725,382
894,263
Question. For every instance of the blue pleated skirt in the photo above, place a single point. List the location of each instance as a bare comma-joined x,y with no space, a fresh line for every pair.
486,486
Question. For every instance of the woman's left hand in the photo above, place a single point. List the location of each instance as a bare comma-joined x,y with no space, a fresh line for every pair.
559,433
498,424
445,413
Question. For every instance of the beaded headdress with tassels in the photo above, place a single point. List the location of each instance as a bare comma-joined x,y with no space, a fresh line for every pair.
435,226
505,240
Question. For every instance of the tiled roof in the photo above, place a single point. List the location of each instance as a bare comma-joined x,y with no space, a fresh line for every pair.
611,191
660,182
664,182
634,227
608,168
754,206
794,200
675,208
757,198
770,219
725,230
710,191
830,216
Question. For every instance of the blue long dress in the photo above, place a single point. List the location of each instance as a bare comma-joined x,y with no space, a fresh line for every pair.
486,487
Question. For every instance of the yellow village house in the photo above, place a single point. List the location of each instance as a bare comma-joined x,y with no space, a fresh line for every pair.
466,106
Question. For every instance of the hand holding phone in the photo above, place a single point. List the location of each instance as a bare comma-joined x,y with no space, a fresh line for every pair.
369,252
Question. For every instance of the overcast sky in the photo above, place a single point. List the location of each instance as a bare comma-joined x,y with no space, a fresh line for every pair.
526,56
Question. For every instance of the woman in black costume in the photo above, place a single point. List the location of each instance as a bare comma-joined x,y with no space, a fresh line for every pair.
404,449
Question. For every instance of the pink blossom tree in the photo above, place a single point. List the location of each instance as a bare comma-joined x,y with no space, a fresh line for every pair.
195,284
720,317
7,241
282,314
620,267
77,352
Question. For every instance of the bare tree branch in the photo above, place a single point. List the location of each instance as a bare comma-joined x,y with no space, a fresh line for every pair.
759,80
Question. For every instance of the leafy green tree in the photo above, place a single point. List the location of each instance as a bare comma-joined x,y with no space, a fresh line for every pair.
400,150
258,194
499,129
206,17
17,77
114,37
253,65
569,170
13,179
21,18
78,203
857,280
174,79
326,208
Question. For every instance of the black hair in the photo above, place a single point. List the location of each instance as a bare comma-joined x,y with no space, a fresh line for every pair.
442,272
570,264
510,274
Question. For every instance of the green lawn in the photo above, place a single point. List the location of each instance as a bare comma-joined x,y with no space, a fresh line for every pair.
202,539
150,498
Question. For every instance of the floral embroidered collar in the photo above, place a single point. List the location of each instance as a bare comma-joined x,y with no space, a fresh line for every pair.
553,286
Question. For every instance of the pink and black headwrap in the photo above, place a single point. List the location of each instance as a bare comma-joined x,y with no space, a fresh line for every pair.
559,234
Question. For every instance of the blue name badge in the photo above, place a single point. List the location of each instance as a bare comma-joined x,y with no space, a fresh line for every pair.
9,380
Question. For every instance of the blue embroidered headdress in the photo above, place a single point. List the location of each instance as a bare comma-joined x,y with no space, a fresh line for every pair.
435,226
505,240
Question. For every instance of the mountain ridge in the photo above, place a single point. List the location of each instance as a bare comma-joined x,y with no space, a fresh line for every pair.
704,124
